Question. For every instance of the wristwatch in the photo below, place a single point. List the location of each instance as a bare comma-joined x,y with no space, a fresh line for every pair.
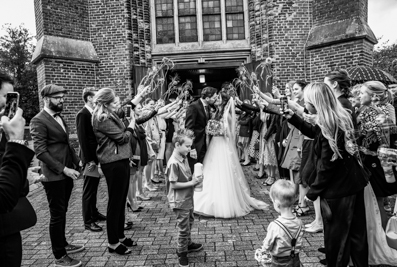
21,142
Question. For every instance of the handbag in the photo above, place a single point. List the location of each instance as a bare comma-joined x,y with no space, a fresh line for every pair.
150,151
391,230
20,218
153,144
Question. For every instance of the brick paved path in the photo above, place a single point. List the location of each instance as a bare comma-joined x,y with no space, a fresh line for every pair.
228,242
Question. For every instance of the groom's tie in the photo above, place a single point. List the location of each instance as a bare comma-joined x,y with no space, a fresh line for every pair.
207,111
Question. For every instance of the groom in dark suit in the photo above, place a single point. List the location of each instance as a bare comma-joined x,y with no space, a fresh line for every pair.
59,164
197,116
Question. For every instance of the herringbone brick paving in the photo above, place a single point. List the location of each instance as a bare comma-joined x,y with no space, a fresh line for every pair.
227,242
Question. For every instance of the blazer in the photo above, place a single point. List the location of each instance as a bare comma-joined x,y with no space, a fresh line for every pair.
196,120
335,179
87,138
13,173
13,186
113,139
52,146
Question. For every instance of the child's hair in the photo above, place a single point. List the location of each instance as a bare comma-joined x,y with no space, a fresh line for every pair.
283,192
180,135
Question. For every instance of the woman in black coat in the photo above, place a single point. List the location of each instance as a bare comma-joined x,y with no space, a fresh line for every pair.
340,178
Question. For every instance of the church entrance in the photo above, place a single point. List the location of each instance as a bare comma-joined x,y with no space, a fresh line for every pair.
203,77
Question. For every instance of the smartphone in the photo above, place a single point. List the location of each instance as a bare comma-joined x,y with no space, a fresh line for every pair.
128,113
12,103
284,103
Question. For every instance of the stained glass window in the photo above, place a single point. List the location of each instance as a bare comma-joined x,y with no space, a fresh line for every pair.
164,8
212,25
212,28
186,7
234,6
211,6
165,30
235,29
188,29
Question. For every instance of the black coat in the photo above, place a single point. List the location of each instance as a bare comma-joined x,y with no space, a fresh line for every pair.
86,136
335,179
196,120
13,183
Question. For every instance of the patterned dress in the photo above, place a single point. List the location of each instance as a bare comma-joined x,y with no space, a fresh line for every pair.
375,133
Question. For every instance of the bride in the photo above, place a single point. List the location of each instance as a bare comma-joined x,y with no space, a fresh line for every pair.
226,193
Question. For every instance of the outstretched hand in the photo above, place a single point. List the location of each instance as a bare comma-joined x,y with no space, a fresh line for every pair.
287,113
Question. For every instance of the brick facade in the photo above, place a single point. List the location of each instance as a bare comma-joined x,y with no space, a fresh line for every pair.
290,31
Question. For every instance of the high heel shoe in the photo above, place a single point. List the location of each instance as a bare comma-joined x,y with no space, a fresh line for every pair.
121,250
301,211
143,197
151,189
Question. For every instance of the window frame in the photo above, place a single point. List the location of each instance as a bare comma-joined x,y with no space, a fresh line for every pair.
199,19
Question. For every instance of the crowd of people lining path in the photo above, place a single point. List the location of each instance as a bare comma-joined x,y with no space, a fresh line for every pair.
312,142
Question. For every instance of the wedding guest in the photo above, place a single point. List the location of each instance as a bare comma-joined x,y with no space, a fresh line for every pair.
180,189
267,154
375,133
339,82
245,132
340,179
60,165
88,146
287,226
113,154
16,212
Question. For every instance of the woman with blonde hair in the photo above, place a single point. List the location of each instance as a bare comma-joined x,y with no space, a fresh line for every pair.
340,181
377,128
113,153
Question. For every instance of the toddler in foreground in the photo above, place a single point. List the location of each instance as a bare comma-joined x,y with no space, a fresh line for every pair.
284,235
180,188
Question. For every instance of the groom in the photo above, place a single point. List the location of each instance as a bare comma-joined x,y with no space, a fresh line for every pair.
197,116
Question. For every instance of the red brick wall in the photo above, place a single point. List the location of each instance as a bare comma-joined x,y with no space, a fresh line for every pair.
328,11
63,18
73,76
279,29
110,30
343,55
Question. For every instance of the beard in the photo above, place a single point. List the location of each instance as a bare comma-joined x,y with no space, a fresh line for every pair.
56,107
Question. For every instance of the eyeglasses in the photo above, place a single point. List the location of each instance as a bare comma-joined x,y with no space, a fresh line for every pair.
58,97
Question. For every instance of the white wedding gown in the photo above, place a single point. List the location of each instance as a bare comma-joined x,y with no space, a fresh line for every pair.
379,250
226,193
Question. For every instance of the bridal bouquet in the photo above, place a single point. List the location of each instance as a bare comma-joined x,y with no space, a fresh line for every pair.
215,128
264,258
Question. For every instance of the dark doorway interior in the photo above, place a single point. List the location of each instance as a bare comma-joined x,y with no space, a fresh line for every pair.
213,77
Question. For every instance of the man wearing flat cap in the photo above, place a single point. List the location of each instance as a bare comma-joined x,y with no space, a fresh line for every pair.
59,164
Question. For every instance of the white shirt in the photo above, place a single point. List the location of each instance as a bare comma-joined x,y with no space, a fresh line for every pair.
57,118
89,108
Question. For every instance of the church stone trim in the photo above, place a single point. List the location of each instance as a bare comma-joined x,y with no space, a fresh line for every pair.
340,31
64,48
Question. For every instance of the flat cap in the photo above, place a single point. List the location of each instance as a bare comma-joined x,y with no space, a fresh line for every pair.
52,89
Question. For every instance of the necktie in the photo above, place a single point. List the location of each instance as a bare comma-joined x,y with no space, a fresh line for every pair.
58,118
207,111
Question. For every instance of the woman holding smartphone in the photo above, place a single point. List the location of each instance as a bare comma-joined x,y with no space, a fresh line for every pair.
114,152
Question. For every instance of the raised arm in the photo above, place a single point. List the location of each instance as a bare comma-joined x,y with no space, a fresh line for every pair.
306,128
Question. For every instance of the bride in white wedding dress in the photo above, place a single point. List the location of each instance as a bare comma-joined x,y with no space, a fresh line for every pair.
379,250
226,193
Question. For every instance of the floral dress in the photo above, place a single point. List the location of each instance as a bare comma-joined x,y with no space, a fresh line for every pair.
373,134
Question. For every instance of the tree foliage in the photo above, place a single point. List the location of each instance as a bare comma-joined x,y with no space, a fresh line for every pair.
16,49
385,58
